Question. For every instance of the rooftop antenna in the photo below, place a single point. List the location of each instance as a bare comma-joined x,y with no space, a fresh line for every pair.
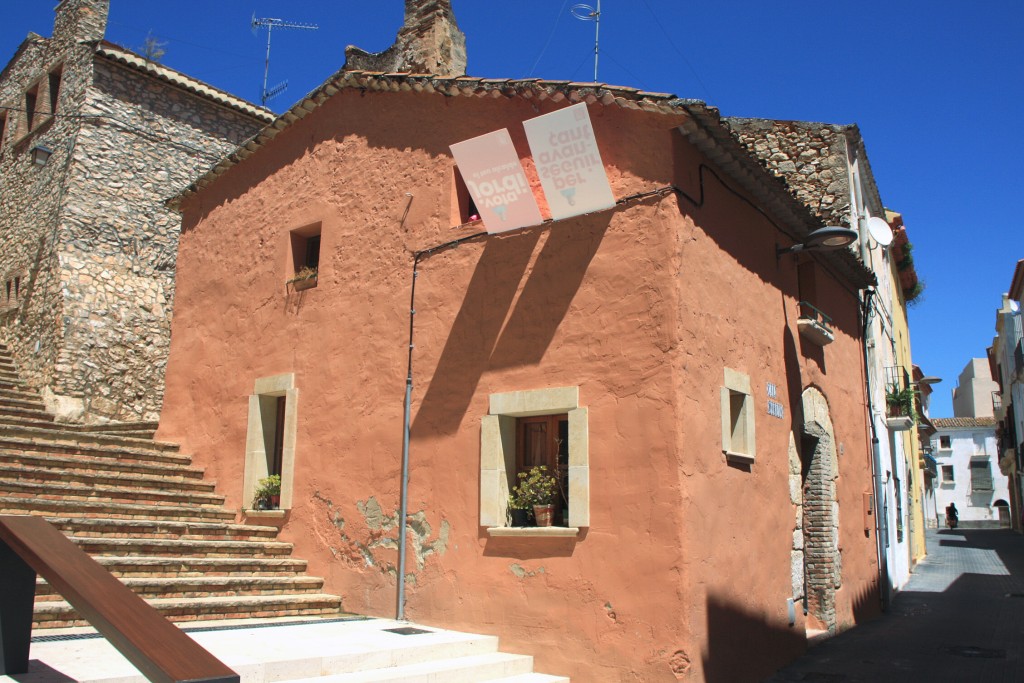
588,13
270,24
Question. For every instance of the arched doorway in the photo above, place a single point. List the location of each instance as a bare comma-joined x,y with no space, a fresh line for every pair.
818,472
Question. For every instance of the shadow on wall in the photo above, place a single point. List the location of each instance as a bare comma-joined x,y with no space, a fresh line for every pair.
743,645
477,341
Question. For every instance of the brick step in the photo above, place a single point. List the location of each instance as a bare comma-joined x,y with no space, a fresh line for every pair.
164,547
113,494
12,384
10,442
160,528
75,475
30,422
121,428
23,394
125,567
20,505
98,465
60,614
205,586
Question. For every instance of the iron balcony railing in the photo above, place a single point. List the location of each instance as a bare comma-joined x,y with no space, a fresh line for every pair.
809,312
1018,356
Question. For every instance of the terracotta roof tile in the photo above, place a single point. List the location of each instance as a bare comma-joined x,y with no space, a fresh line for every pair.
960,422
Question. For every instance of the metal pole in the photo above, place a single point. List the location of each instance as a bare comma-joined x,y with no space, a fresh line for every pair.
403,523
266,67
597,36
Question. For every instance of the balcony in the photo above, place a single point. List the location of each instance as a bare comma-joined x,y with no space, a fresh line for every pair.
814,325
900,400
1018,358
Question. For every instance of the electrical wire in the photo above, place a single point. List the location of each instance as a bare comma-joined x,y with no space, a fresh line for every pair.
554,27
678,51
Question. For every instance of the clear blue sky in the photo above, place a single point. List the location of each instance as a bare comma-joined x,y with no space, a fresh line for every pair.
936,88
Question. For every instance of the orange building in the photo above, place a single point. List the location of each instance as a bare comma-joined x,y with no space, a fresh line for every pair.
710,433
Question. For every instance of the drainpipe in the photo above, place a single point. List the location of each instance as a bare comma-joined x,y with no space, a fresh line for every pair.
403,523
876,461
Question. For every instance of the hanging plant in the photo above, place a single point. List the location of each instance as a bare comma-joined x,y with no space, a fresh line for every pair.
913,295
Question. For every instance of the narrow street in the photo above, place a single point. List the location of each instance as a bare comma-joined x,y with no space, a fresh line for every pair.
960,618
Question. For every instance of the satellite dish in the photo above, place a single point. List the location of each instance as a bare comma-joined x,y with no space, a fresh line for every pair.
880,231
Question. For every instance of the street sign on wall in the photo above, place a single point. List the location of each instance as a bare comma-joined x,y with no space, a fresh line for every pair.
568,162
495,179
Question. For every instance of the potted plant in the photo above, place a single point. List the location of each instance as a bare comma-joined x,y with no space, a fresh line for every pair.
538,488
268,493
520,507
305,278
900,401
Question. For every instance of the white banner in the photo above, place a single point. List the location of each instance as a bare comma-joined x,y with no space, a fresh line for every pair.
568,162
491,170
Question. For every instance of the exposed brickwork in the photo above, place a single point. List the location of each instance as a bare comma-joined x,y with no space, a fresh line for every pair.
430,42
87,237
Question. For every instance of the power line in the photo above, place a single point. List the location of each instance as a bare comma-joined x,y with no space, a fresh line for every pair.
678,51
558,18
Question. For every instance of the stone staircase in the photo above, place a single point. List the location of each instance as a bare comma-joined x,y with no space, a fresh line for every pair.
141,509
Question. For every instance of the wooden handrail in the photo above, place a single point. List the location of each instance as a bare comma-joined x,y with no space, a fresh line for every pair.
159,649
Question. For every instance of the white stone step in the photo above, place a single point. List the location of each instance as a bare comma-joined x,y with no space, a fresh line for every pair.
319,651
473,669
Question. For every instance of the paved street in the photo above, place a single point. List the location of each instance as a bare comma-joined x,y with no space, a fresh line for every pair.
961,618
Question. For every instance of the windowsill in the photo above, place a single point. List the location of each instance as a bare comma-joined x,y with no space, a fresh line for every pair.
533,531
266,514
733,456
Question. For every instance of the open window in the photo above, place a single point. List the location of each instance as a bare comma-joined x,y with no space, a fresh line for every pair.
737,417
305,257
31,102
467,211
54,83
529,428
270,437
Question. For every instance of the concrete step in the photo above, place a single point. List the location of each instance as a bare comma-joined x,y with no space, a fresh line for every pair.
29,422
17,412
20,400
138,430
60,614
90,465
115,494
12,384
74,475
21,505
162,528
206,586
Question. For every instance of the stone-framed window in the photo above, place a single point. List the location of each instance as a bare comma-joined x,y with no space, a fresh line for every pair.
270,436
737,417
498,456
31,117
54,80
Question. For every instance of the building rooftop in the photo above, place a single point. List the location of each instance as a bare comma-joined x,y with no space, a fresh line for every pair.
961,422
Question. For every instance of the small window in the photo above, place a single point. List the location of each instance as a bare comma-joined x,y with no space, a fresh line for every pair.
543,440
947,474
737,417
54,84
3,129
270,437
305,257
468,212
981,476
945,442
30,107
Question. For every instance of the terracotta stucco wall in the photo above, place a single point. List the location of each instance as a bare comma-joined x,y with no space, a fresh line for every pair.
636,306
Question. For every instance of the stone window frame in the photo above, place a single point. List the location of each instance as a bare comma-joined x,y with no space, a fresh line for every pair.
738,434
261,417
498,457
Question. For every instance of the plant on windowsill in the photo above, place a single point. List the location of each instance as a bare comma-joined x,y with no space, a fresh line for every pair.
537,488
900,404
520,508
305,278
268,493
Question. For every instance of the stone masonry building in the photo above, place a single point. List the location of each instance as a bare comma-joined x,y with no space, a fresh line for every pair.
93,139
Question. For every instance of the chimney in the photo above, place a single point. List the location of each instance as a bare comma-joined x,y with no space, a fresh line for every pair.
430,42
80,21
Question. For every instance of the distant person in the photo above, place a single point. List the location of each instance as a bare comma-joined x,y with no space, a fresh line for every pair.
952,516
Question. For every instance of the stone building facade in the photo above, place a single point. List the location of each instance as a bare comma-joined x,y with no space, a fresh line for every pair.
87,258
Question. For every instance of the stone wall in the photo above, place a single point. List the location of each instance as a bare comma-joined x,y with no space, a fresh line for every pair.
811,157
88,236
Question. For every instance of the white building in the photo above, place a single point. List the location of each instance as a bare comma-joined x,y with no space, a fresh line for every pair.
968,472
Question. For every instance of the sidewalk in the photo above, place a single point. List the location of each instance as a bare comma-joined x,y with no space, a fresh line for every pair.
959,619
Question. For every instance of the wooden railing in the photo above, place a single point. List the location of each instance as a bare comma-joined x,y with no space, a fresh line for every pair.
31,545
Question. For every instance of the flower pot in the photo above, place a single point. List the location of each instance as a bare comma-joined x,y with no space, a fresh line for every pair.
520,517
307,283
543,514
275,502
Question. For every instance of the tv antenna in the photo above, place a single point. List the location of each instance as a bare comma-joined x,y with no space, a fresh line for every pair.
270,24
588,13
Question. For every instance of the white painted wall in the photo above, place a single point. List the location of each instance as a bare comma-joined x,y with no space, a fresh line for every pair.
966,444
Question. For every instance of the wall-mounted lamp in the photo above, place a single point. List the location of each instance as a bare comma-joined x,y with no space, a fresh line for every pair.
829,238
41,154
